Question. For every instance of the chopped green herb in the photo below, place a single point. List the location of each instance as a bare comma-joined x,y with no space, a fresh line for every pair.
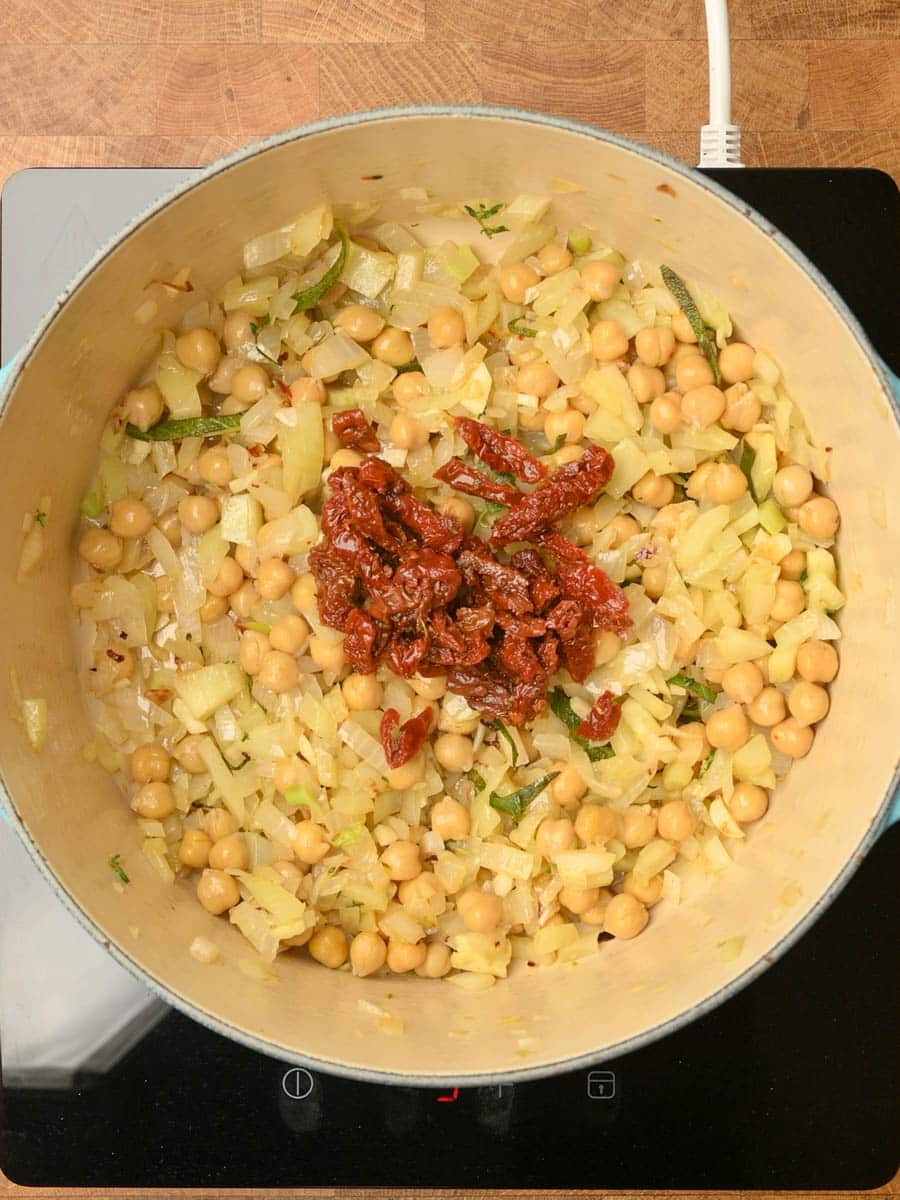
245,737
482,215
489,511
41,518
690,712
748,458
92,505
298,795
677,287
521,330
561,706
474,777
706,764
517,802
558,444
256,326
693,686
804,575
257,626
188,427
508,737
312,295
245,758
413,365
113,861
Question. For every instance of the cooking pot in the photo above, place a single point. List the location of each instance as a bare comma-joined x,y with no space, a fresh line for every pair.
71,815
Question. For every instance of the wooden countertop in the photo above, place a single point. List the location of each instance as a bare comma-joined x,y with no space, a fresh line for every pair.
172,83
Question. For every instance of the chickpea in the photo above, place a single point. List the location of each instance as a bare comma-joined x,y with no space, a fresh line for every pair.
194,849
792,738
568,424
638,827
246,558
537,379
725,483
792,486
421,891
446,327
393,346
253,649
199,349
665,412
214,466
284,774
217,891
198,513
405,956
596,824
187,754
328,656
169,526
144,406
697,481
437,961
736,362
243,601
817,662
228,580
655,490
454,752
554,257
693,372
237,332
608,341
625,916
606,646
367,951
768,708
407,432
288,634
328,946
654,580
431,687
743,682
790,600
727,729
742,409
230,852
693,745
748,802
309,842
579,900
307,391
582,525
555,836
407,776
807,702
150,763
620,529
600,278
274,578
566,454
676,821
359,322
409,386
362,693
515,281
461,510
647,383
568,787
278,671
596,915
819,517
681,328
129,518
702,406
100,548
154,801
220,823
344,458
793,565
303,592
654,346
481,911
677,776
402,860
249,385
648,891
450,819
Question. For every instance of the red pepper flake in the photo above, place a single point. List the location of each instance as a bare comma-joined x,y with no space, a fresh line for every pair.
353,431
257,451
603,719
401,742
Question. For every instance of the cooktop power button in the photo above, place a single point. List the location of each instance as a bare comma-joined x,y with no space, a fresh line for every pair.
297,1083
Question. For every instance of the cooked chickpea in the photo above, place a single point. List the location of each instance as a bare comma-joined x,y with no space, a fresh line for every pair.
217,891
411,773
727,729
596,824
793,565
537,379
742,409
648,891
637,827
303,592
743,682
362,693
693,746
454,752
199,349
579,900
450,819
307,391
677,776
228,580
421,891
278,671
600,278
654,580
309,842
676,821
150,763
697,481
768,708
725,483
100,548
243,601
748,802
328,946
790,600
481,911
344,458
647,383
409,386
230,852
429,687
237,332
608,341
402,860
220,823
665,412
169,526
566,454
274,578
583,525
606,646
154,801
701,406
554,257
288,634
358,322
819,517
515,281
596,914
461,510
681,328
198,513
792,486
620,529
807,702
194,849
446,327
736,362
368,952
249,385
568,424
407,432
693,372
253,649
129,517
187,754
655,490
329,656
393,346
817,662
568,787
555,836
405,956
792,738
654,346
625,916
144,406
437,961
214,466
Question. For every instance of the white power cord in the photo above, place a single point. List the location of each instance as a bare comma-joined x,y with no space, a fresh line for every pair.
720,141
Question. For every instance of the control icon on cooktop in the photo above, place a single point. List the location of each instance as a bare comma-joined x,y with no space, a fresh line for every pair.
297,1083
601,1085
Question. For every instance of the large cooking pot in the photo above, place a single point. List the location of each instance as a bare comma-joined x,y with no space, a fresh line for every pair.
71,815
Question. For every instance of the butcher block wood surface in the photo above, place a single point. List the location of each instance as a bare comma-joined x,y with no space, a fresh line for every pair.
181,82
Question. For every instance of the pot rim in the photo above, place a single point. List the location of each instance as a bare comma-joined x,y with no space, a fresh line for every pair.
854,858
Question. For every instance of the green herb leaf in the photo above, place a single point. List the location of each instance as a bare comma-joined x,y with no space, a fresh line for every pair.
521,330
693,686
558,444
804,575
504,733
517,802
561,707
677,287
482,215
188,427
113,861
706,764
312,295
474,777
490,510
413,365
748,458
256,326
41,518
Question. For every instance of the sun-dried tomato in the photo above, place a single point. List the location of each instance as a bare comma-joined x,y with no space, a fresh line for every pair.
507,588
574,485
435,529
603,719
361,641
500,451
473,482
353,430
587,584
401,742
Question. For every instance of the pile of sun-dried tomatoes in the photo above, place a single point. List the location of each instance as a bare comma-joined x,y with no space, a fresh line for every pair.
412,590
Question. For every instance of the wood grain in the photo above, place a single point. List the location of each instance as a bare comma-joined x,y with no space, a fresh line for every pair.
357,77
343,21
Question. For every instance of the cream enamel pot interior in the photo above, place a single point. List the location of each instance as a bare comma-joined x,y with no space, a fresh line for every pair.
72,816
